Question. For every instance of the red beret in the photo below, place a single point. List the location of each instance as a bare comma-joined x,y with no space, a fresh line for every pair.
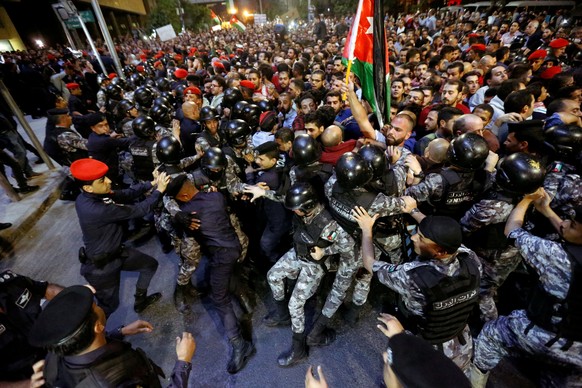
231,56
193,50
158,55
178,57
550,72
143,57
181,73
247,84
112,75
88,169
140,68
559,43
478,47
538,54
218,65
157,63
73,85
50,57
473,35
192,90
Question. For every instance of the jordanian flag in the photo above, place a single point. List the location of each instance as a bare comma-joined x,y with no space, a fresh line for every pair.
234,22
368,54
215,17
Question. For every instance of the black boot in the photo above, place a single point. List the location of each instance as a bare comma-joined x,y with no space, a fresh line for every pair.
191,291
25,189
321,335
242,350
352,315
296,354
280,317
142,300
245,303
180,302
5,225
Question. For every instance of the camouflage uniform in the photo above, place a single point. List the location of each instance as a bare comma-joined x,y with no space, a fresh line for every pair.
307,272
509,334
188,248
497,263
565,190
397,278
70,142
383,206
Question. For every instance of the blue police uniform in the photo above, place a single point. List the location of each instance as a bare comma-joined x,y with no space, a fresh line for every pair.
106,149
101,218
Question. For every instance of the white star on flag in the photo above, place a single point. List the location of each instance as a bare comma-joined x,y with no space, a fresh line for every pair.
370,29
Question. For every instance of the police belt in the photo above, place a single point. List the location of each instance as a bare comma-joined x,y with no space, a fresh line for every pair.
102,259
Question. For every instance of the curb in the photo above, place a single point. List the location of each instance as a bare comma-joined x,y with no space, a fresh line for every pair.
25,213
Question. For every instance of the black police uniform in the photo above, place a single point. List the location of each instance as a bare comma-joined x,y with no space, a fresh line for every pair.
20,299
101,220
219,239
106,149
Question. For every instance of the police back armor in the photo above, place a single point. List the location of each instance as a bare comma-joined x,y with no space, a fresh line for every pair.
316,174
449,299
143,163
459,193
543,307
343,201
491,236
307,236
119,366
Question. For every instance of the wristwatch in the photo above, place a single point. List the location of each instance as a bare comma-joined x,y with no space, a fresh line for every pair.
414,211
419,175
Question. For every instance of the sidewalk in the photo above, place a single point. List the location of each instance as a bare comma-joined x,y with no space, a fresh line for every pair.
25,213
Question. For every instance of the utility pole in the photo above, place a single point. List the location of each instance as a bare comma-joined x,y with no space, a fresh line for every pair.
107,36
57,8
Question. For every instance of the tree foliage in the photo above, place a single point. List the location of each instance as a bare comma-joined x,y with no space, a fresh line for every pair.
195,16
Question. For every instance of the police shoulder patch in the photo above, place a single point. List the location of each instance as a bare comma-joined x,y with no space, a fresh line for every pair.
331,236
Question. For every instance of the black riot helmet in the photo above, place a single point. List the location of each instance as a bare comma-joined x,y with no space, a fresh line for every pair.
352,171
231,97
144,97
468,151
237,132
301,196
238,110
168,96
306,150
150,83
163,84
122,83
161,114
125,105
137,79
113,92
213,163
208,113
179,92
265,105
252,113
565,141
161,100
144,127
169,150
129,69
122,108
375,158
520,173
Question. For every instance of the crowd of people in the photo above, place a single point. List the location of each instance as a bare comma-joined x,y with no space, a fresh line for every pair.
255,149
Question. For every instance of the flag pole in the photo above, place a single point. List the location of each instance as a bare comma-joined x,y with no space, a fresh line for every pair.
344,96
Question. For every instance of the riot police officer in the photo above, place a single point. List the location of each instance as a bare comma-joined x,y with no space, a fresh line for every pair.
316,237
452,191
439,290
518,174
